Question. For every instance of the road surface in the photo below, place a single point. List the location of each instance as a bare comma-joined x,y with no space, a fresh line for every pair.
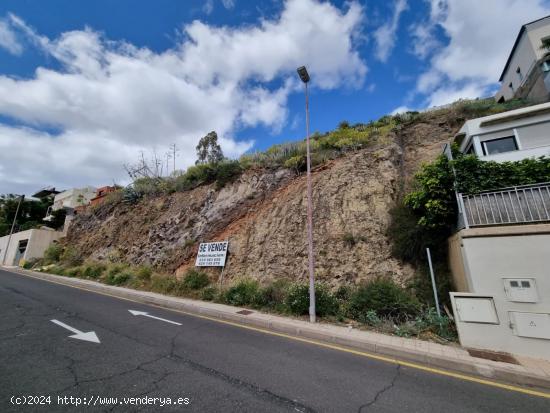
203,365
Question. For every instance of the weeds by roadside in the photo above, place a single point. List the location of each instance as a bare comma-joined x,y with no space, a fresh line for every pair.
379,304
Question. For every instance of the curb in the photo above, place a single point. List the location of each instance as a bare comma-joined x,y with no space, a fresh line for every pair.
301,329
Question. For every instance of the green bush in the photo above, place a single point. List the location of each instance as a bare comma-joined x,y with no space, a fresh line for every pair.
144,272
428,215
73,272
297,163
384,297
114,269
55,269
433,200
93,270
53,253
297,300
371,318
163,284
28,264
118,278
209,293
344,292
409,240
429,320
242,293
227,172
272,296
71,257
195,280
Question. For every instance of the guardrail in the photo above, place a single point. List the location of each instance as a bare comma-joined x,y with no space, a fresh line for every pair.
516,205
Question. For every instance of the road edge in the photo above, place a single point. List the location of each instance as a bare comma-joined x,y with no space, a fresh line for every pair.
302,330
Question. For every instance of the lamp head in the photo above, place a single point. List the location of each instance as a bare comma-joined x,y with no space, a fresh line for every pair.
304,75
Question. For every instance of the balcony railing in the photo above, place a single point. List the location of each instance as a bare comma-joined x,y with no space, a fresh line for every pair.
516,205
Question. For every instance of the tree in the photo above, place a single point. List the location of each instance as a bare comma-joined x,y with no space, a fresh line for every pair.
57,219
208,150
30,214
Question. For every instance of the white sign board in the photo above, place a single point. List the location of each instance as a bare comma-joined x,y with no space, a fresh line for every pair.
212,254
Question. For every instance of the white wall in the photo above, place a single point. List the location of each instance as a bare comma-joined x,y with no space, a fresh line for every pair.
74,197
530,125
518,155
38,241
488,260
534,136
526,54
536,32
524,58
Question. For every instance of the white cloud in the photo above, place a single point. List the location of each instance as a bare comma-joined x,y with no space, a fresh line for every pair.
111,99
228,4
424,41
8,39
481,35
447,94
386,35
401,109
208,7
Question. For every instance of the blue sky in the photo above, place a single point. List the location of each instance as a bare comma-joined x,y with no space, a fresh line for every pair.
86,86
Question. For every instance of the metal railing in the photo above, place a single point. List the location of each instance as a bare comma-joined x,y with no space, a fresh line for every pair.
516,205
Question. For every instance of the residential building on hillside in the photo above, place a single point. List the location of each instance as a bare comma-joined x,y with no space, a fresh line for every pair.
71,199
102,193
526,72
26,245
499,256
47,193
508,136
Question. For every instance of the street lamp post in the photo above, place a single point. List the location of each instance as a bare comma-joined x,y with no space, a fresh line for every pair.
304,76
12,227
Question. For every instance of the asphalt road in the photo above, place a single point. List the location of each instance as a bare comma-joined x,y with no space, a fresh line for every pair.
217,367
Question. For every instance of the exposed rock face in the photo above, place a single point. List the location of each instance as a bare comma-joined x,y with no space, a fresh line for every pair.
263,215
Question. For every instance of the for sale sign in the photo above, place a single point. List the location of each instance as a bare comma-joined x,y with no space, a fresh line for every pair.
212,254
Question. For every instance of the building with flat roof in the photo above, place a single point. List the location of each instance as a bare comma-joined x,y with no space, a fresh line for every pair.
526,71
499,256
508,136
26,245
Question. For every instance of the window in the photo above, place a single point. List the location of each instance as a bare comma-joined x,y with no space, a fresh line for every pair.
500,145
520,75
514,284
470,150
525,284
511,86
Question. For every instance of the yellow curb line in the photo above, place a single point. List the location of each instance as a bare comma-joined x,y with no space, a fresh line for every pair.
325,345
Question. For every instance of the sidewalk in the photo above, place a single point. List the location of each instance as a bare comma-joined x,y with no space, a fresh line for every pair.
407,351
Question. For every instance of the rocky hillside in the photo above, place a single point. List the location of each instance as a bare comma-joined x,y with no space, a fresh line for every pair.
262,213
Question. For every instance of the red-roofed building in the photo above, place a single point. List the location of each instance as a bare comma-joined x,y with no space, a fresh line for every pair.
101,193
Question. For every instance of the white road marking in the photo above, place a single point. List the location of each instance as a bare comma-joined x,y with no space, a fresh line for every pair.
79,335
143,313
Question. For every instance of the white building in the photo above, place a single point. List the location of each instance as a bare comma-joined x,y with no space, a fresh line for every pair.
26,245
508,136
71,199
502,288
500,259
525,72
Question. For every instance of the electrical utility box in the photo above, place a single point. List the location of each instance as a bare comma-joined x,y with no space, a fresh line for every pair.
533,325
521,290
476,309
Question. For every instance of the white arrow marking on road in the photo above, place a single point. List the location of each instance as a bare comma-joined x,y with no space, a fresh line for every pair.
79,335
134,312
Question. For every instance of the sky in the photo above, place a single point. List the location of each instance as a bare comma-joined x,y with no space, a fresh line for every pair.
86,87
